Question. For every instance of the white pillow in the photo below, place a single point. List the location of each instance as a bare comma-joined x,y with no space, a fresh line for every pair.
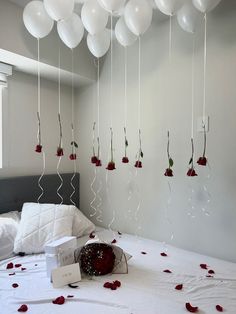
8,231
15,215
81,224
42,223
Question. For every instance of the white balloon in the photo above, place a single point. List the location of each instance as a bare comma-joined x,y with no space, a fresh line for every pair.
124,36
169,7
205,5
112,5
36,19
94,17
189,18
99,44
71,31
138,16
59,9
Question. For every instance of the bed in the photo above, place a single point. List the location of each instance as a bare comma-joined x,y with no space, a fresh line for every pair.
148,288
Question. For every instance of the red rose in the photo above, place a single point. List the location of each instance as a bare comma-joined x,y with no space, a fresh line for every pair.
98,163
191,173
107,285
219,308
9,266
94,160
23,308
203,266
168,173
190,308
38,148
117,283
138,164
125,160
111,166
60,300
60,152
202,161
72,156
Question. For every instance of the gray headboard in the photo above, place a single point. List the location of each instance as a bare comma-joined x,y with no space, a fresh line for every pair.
14,192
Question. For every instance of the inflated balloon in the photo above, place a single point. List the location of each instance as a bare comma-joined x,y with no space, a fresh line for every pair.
99,44
71,31
189,18
170,7
59,9
138,16
124,36
94,17
36,19
112,5
205,5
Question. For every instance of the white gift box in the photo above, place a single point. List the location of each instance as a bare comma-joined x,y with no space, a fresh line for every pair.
60,253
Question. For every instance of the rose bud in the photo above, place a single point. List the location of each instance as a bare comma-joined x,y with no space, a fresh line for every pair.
94,160
125,160
98,163
202,161
111,166
191,173
138,164
168,173
72,156
38,148
60,152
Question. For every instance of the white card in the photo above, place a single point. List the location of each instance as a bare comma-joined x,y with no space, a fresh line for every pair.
66,275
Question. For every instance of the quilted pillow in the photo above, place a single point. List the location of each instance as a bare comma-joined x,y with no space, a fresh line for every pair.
8,231
81,224
42,223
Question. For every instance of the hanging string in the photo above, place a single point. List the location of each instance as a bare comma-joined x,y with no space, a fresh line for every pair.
170,40
139,83
39,123
94,193
193,86
111,96
125,96
109,203
72,129
60,126
98,96
205,64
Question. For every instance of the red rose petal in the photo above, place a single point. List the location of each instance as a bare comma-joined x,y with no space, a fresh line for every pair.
60,300
190,308
211,271
113,286
219,308
203,266
36,265
18,265
209,276
179,287
113,241
9,266
70,296
23,308
23,268
117,283
12,274
167,271
15,285
107,285
144,253
92,235
119,233
163,254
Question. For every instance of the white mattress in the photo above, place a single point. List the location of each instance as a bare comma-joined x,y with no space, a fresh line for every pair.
146,289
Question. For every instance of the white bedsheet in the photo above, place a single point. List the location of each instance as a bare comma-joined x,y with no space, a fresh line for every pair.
145,290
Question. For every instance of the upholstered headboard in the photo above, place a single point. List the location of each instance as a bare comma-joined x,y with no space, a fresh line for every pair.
14,192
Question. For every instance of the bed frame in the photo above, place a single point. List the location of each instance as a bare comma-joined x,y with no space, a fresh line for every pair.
14,192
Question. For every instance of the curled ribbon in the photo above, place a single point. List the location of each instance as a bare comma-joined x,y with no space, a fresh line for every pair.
94,193
40,178
61,179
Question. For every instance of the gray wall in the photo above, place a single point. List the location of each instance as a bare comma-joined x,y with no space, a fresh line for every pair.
20,126
166,104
